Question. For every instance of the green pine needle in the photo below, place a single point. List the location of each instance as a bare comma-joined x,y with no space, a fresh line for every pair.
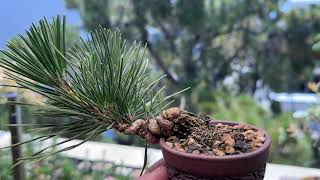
98,82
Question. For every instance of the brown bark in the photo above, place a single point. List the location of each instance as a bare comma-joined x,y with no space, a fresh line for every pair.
154,128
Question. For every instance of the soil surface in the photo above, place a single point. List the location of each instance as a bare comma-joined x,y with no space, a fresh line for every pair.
201,135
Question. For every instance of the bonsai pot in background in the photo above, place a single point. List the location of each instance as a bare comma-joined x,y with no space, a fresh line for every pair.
251,165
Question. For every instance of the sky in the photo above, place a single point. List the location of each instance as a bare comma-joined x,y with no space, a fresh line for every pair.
17,15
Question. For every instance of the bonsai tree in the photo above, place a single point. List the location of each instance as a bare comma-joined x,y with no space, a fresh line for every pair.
102,84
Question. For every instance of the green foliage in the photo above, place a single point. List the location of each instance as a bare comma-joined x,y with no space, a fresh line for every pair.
240,108
290,144
316,45
56,168
98,82
208,41
3,117
5,163
289,50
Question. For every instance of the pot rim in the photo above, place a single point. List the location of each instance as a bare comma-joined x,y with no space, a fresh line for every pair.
256,152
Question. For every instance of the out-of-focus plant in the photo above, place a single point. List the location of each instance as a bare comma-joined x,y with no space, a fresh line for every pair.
312,125
290,144
237,107
316,46
59,168
209,41
5,163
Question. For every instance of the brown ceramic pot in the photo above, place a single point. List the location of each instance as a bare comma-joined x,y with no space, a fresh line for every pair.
190,166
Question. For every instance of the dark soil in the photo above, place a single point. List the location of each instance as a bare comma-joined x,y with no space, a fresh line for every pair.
200,135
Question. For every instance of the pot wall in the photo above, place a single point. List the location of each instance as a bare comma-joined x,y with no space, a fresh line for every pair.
213,166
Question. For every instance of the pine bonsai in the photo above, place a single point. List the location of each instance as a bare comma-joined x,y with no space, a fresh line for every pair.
103,84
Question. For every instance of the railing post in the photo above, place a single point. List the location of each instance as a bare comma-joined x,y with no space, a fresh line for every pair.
16,132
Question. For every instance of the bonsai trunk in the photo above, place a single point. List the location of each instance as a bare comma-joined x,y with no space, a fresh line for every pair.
154,128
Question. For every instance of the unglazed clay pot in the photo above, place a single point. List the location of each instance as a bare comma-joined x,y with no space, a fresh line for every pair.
250,165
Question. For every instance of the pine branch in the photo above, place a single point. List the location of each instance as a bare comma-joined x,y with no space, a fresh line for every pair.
100,82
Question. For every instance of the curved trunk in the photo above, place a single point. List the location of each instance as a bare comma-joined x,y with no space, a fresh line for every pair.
154,128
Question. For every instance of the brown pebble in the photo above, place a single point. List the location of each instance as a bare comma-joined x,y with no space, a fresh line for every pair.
250,131
261,139
260,133
218,152
196,152
245,126
235,127
249,134
169,144
226,137
229,150
177,145
191,141
230,142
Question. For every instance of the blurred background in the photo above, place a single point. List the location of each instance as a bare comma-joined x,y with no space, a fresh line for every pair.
251,61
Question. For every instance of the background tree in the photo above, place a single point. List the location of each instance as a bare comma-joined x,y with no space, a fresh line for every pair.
207,41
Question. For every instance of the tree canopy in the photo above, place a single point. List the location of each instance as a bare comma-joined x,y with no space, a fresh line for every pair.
205,43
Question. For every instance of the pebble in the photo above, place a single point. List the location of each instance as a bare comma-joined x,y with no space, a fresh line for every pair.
178,147
230,142
260,133
226,137
249,134
196,152
229,150
259,144
241,145
218,152
245,126
169,144
261,139
191,141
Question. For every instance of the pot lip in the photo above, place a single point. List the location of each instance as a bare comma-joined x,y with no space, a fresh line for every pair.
254,153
